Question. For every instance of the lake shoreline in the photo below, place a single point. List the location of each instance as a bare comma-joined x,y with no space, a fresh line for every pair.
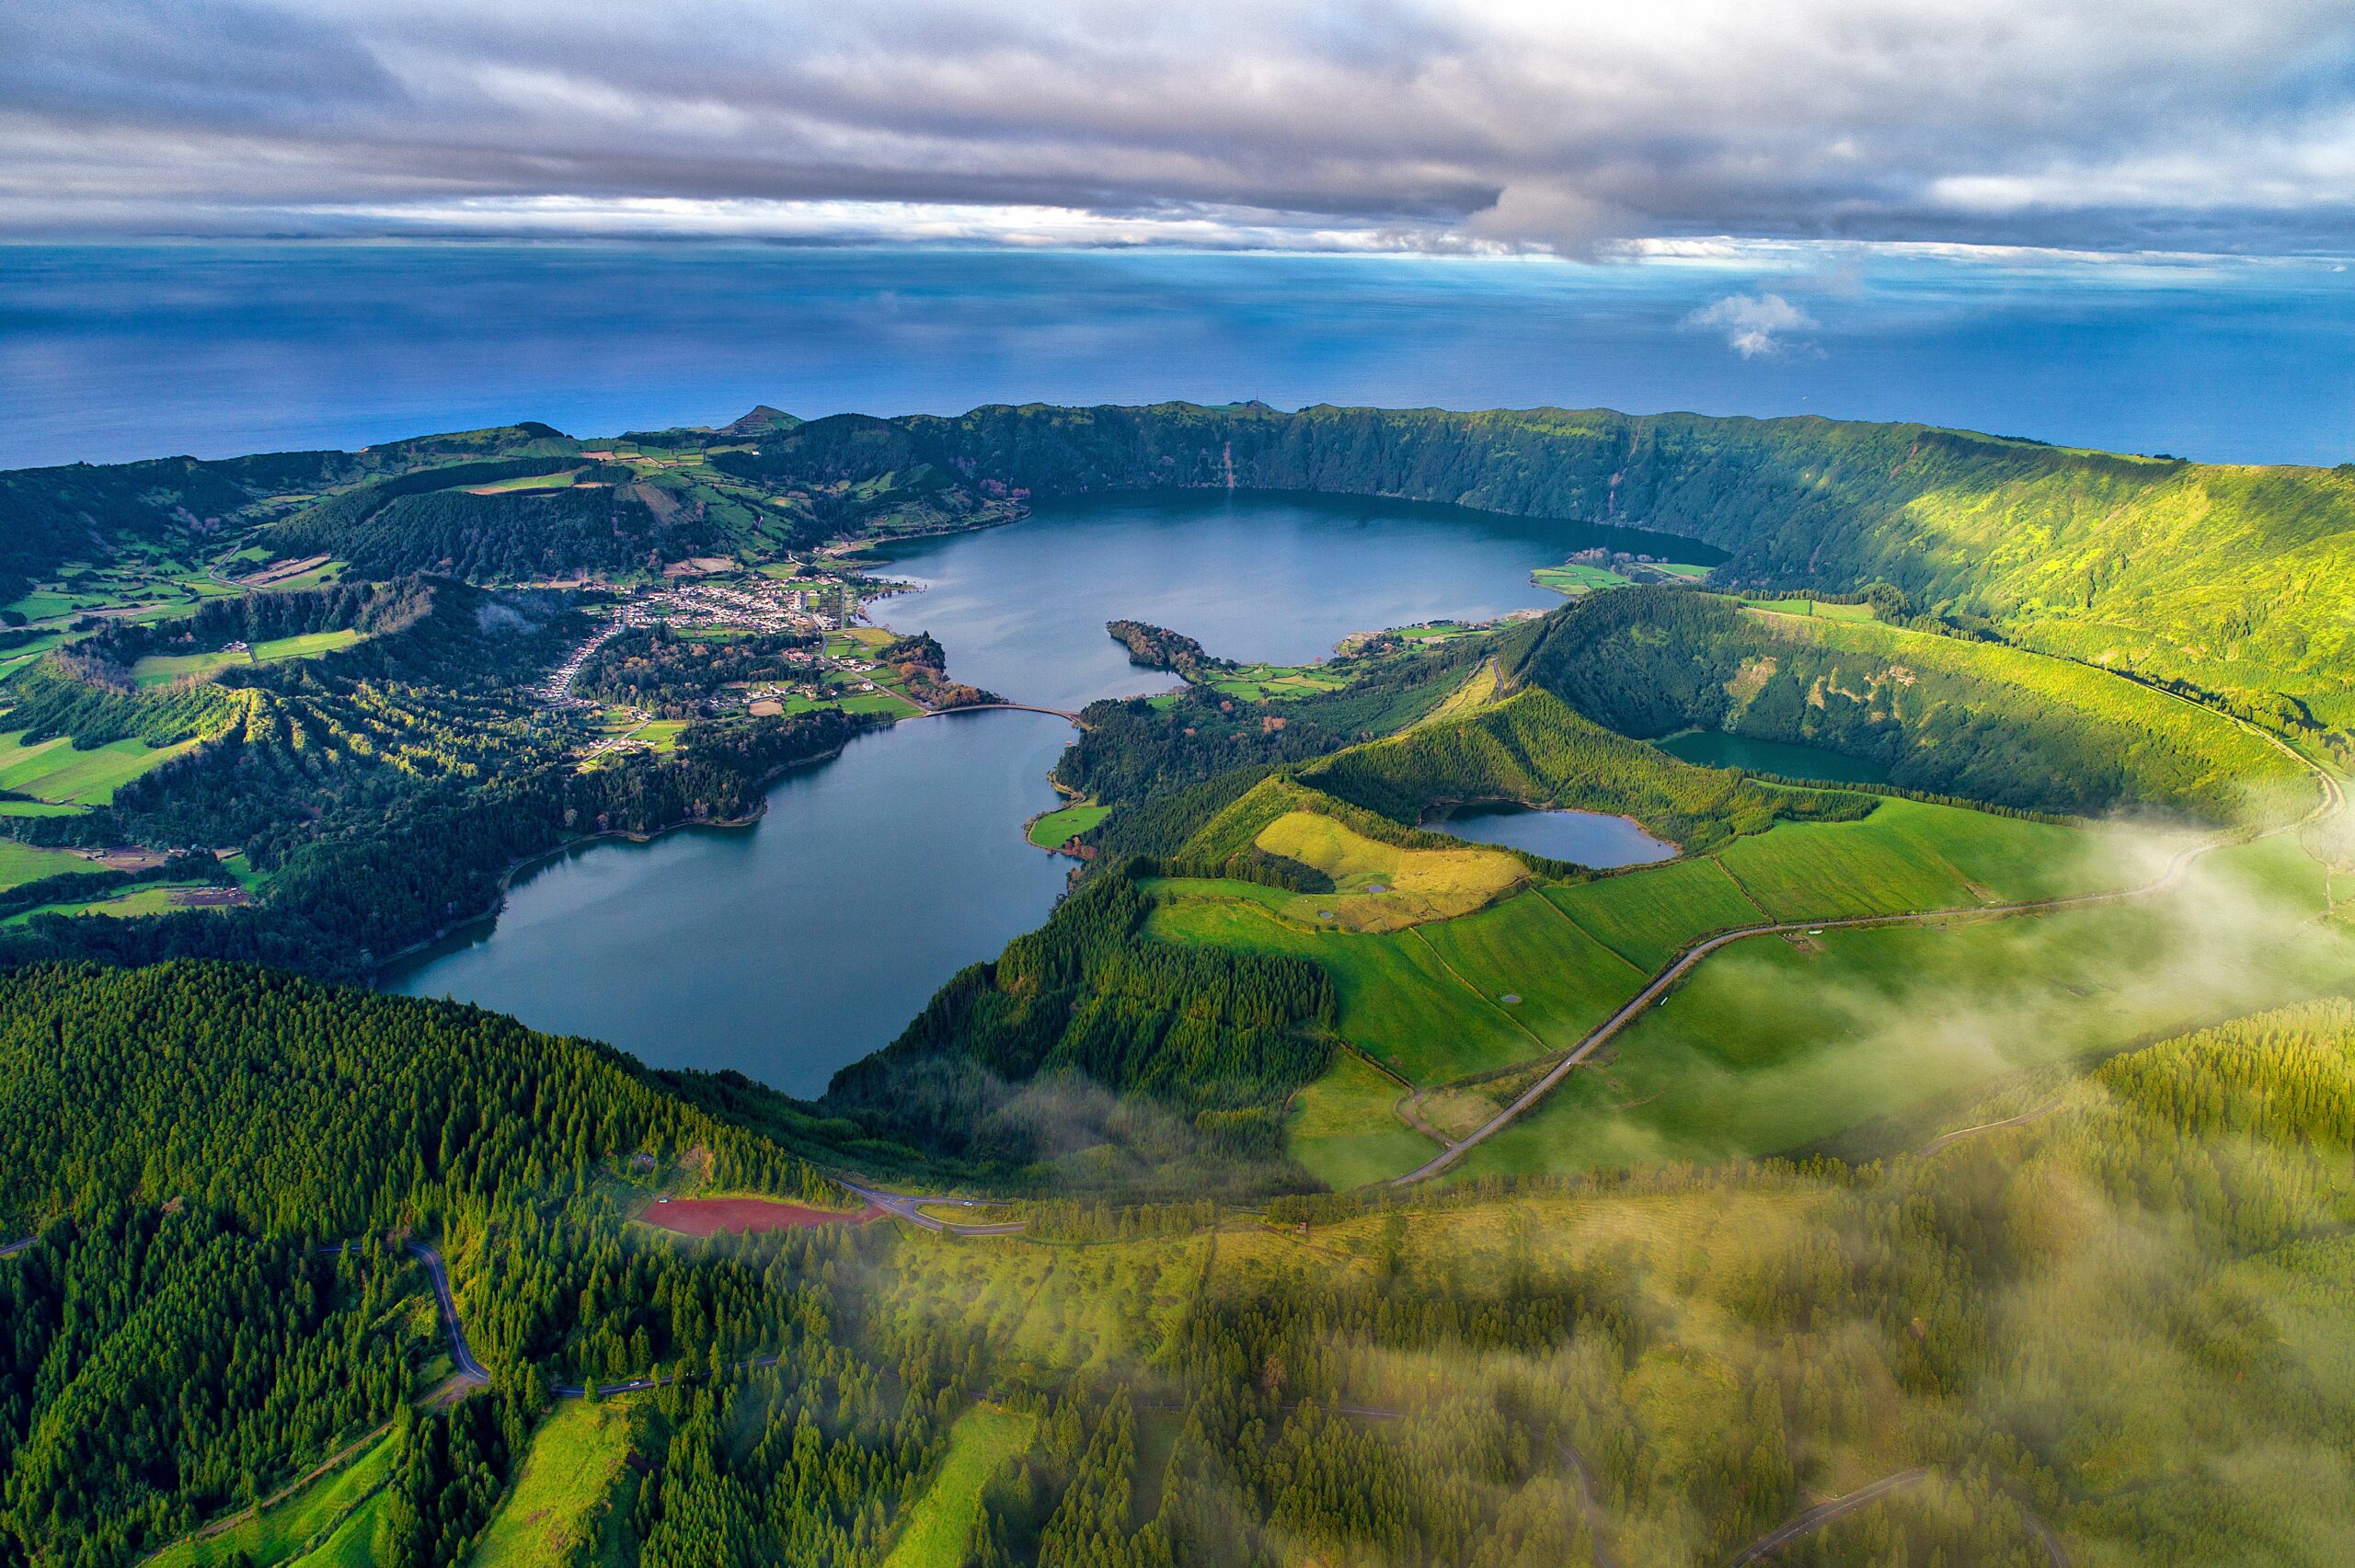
765,784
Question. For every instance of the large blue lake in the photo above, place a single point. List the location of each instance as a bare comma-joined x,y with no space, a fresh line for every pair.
789,948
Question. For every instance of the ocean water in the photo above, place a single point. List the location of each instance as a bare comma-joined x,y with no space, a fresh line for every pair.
110,352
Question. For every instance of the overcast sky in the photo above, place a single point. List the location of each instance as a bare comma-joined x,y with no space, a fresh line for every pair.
2096,124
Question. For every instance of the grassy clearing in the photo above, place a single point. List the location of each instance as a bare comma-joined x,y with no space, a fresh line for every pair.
1397,1000
1057,828
1575,580
1815,609
1544,971
662,734
529,482
308,1519
1772,1045
1259,682
1379,886
355,1543
1911,855
986,1439
1478,692
53,771
566,1478
1343,1129
1649,916
148,898
879,702
162,668
21,864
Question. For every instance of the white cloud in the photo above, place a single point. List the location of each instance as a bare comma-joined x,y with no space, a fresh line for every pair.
1434,124
1753,324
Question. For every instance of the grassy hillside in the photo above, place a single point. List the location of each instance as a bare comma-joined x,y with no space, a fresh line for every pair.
1531,749
1941,714
2230,578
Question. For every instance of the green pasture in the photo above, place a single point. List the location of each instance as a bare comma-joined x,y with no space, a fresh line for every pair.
1397,1000
146,898
986,1439
324,572
1566,982
1057,828
305,1522
1812,607
1575,578
1909,855
21,863
1259,682
529,482
1772,1044
53,771
879,702
1647,916
162,668
1343,1129
566,1477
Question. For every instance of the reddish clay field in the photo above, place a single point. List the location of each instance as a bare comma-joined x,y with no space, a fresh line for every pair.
707,1215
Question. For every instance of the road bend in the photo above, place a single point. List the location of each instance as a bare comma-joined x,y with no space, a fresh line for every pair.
903,1206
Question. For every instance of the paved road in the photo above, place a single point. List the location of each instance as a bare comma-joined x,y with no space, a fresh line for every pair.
1815,1519
2182,860
902,1206
462,1354
1963,1132
13,1248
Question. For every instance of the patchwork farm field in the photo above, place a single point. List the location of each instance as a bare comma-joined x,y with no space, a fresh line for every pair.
1648,917
21,864
1342,1128
1396,999
1774,1044
1770,1043
1909,855
1379,886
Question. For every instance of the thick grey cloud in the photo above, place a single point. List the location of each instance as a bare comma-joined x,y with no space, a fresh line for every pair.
2090,123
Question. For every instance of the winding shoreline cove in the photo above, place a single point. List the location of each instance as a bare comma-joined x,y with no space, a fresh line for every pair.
791,946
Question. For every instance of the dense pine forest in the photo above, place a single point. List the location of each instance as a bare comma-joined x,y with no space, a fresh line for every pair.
2047,1332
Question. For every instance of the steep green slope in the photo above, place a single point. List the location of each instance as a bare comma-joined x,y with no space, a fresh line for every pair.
2230,578
314,1110
1942,715
1533,750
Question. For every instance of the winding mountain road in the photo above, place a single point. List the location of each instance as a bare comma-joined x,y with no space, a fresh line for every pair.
1815,1519
2332,800
901,1206
462,1354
